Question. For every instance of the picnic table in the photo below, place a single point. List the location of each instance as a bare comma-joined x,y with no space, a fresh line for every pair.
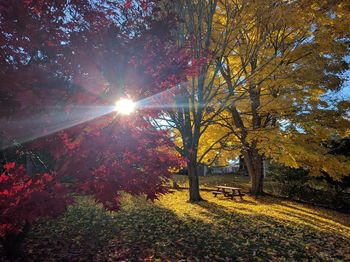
228,191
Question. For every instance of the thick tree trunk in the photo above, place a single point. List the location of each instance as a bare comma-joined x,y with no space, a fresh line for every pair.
194,182
254,164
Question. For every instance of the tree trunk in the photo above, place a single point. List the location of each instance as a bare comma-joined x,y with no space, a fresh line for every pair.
194,182
254,164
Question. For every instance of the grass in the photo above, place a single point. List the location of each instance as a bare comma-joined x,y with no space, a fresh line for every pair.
209,182
171,228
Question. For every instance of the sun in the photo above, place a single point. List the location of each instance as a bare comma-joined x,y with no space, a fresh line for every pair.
125,106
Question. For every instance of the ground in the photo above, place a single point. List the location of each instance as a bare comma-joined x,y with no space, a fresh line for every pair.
208,182
171,228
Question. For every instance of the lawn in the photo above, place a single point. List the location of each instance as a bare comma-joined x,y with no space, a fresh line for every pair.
218,229
209,182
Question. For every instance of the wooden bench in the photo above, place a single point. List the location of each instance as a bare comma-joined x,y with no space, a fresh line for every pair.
235,194
228,191
217,193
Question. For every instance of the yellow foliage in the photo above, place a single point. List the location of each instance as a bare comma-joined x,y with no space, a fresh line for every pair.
281,58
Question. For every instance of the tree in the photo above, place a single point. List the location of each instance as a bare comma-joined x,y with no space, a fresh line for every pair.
64,60
24,199
285,58
339,184
193,104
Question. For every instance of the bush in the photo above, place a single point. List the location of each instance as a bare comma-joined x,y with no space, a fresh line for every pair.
291,181
298,185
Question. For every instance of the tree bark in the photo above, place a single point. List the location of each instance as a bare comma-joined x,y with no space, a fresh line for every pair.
194,182
254,164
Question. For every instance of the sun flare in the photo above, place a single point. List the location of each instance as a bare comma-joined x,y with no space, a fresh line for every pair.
125,106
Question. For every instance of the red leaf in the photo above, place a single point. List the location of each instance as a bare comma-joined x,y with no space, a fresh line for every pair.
127,4
9,166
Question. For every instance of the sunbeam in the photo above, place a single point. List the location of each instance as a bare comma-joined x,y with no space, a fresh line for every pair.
40,125
161,101
52,120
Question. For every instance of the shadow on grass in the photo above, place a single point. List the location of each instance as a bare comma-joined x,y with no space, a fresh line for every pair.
271,238
150,231
316,218
76,236
144,231
299,215
157,232
319,214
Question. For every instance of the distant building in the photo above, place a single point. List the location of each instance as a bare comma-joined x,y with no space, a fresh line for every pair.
221,170
235,168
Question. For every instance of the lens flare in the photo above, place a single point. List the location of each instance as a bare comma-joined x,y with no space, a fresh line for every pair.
125,106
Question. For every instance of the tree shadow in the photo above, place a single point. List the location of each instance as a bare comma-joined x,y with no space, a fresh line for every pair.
290,209
317,222
292,239
150,231
77,235
304,215
319,214
145,231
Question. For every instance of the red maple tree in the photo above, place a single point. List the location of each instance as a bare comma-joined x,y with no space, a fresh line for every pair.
65,54
24,198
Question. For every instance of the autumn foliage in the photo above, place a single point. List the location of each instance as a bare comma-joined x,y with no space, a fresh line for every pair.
60,56
24,198
119,155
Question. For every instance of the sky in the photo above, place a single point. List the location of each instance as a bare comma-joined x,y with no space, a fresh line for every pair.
346,88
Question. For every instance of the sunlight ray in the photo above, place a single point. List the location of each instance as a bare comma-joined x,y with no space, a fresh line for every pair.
52,119
25,130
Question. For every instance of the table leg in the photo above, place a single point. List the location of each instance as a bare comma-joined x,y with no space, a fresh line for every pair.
240,194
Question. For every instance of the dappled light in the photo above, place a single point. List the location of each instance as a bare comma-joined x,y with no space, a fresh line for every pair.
157,130
172,228
278,208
